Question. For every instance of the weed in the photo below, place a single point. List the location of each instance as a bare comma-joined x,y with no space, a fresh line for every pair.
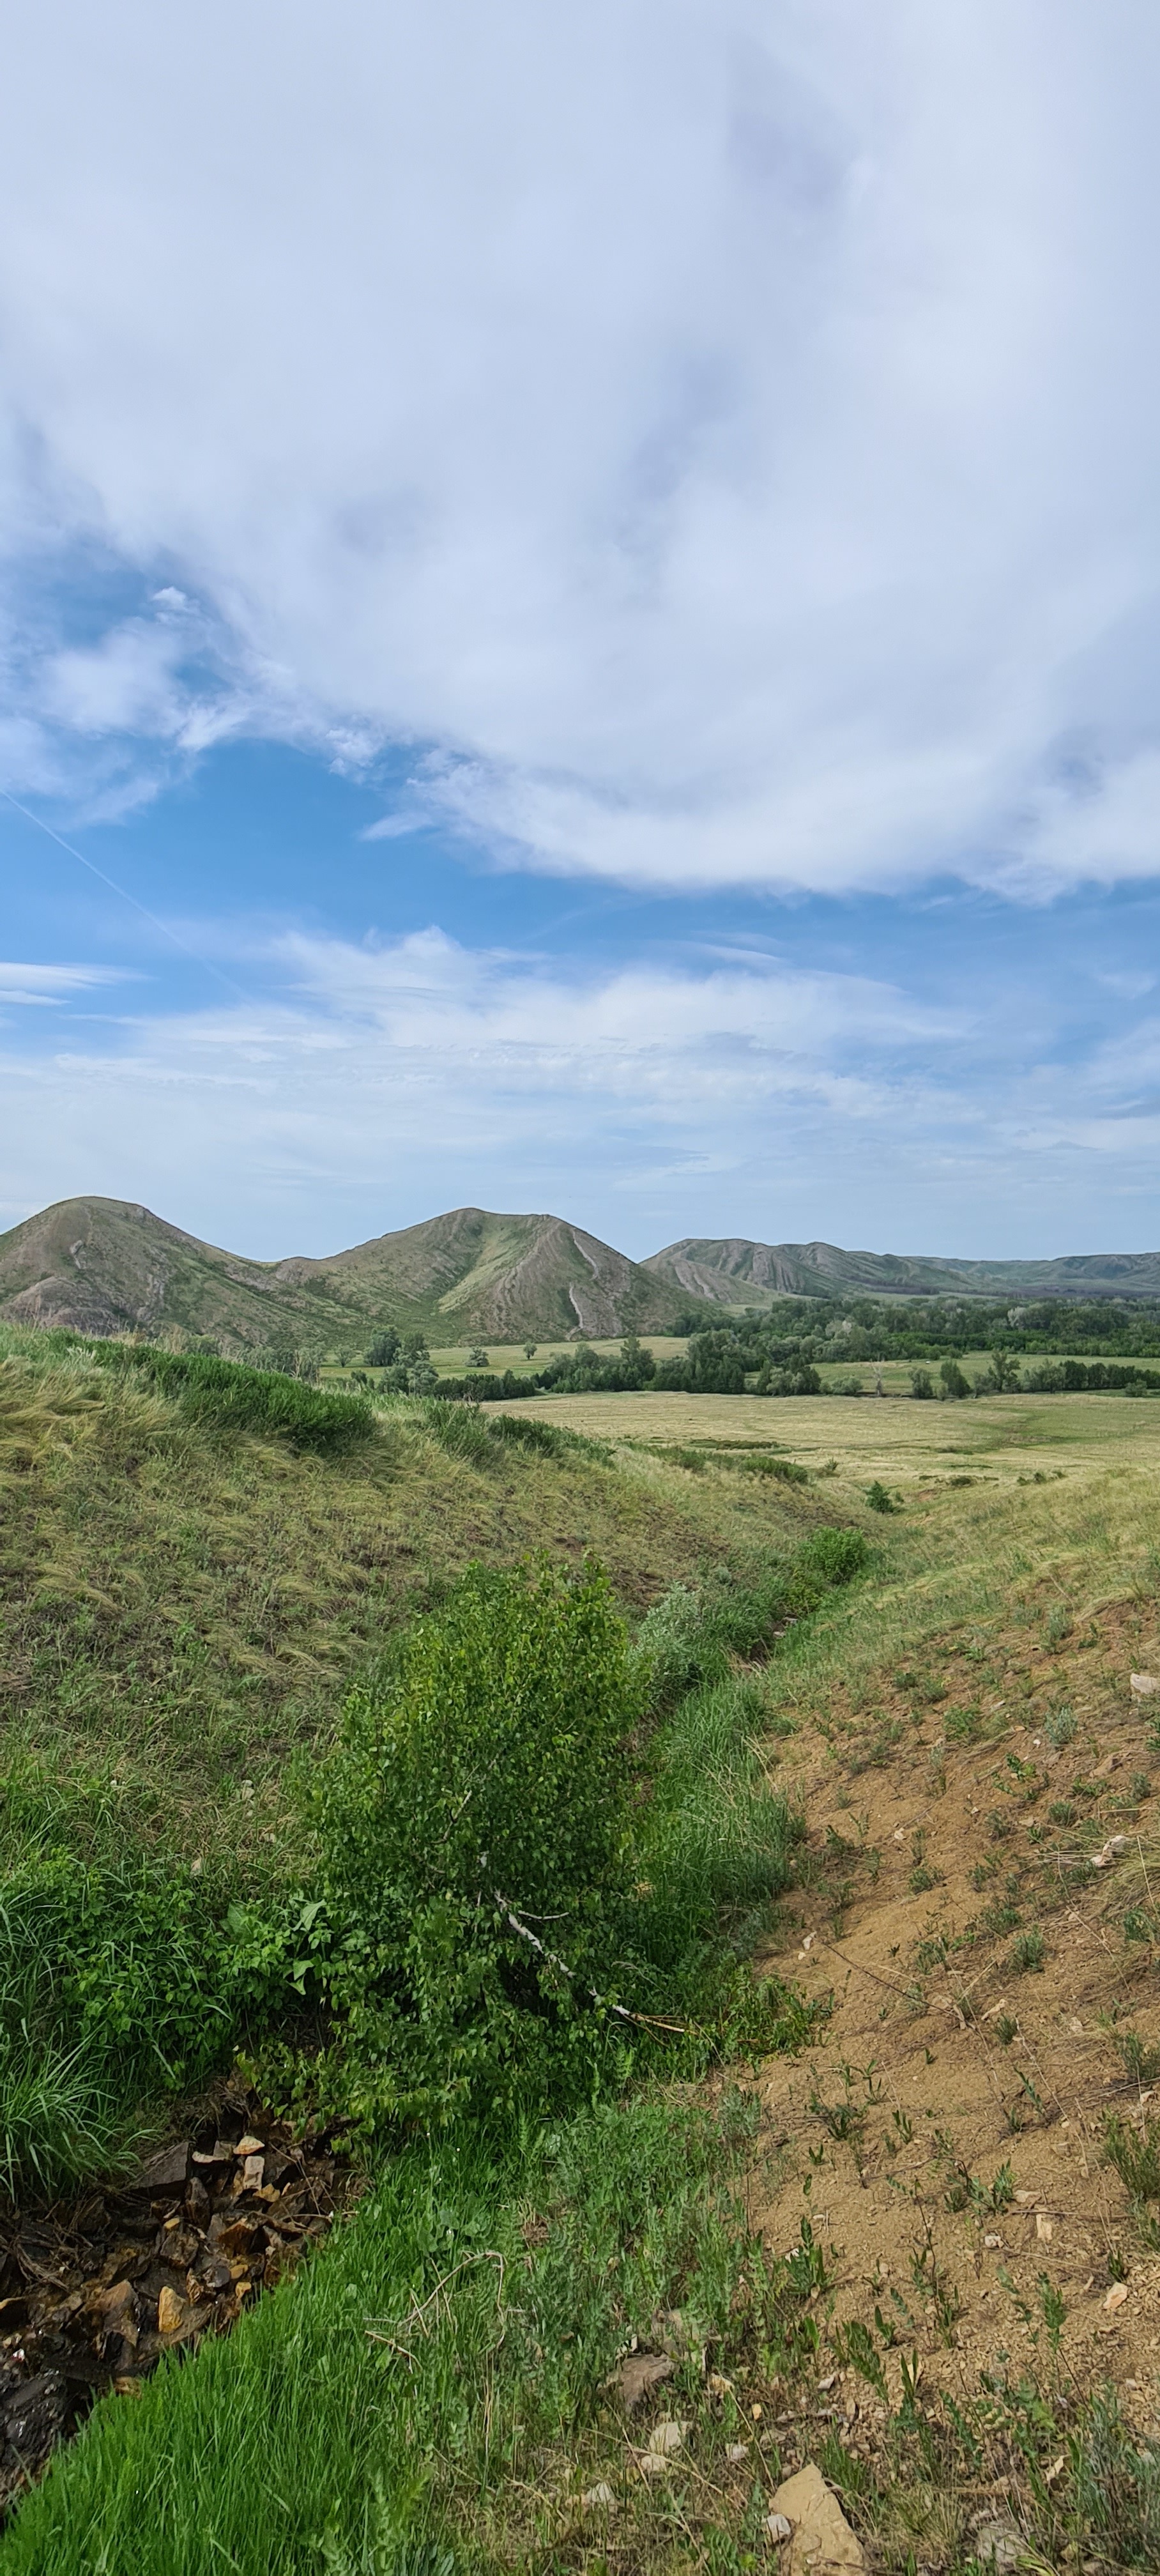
1141,2063
1135,2153
878,1498
1062,1812
1059,1625
1028,1954
1006,2030
1060,1728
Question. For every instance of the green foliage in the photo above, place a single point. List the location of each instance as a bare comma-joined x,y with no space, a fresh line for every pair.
1060,1729
921,1385
878,1498
228,1397
118,1979
479,1796
952,1380
1027,1954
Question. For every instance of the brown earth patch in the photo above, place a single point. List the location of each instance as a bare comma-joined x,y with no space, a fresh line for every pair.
946,2137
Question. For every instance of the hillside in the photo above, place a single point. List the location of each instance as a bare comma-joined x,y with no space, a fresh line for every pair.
107,1266
735,1272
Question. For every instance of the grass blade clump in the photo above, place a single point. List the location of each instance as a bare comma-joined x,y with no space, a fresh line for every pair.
118,1981
230,1397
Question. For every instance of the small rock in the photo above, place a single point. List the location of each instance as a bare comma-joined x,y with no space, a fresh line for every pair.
249,2146
992,2241
778,2525
1112,1849
170,2312
169,2170
736,2451
999,2545
641,2372
1143,1685
1044,2229
252,2172
598,2499
664,2440
821,2541
1116,2297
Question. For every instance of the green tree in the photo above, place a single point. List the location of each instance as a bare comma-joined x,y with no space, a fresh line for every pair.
921,1385
952,1379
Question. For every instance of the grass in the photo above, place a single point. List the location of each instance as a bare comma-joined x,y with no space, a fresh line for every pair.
185,1609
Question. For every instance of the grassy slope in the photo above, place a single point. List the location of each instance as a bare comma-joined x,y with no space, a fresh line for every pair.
489,2416
180,1614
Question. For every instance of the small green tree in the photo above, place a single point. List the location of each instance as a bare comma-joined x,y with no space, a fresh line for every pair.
482,1796
530,1349
921,1385
952,1380
477,1357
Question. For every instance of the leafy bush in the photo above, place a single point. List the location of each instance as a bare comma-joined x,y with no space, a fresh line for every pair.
833,1556
235,1398
480,1797
878,1498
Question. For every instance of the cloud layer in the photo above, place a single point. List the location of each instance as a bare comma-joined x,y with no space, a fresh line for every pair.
366,1086
720,437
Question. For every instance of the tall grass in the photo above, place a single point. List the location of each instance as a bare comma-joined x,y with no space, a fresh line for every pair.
230,1397
378,2401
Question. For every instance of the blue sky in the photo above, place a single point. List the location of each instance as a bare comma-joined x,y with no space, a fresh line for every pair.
594,582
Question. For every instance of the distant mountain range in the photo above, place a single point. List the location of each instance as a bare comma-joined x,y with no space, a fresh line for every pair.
104,1266
738,1273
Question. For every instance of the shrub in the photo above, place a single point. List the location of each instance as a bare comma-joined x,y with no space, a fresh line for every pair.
1060,1728
1027,1953
235,1398
921,1385
834,1556
483,1796
878,1498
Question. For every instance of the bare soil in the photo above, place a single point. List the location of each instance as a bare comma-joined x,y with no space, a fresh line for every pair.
943,2061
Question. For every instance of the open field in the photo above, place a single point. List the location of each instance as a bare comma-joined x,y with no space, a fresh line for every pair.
902,1443
895,2243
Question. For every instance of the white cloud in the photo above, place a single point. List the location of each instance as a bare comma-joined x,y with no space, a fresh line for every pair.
371,1085
44,986
724,432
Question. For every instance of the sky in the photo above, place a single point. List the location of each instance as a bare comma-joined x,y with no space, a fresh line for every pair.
580,618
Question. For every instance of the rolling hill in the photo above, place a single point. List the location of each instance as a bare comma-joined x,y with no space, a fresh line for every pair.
106,1266
735,1272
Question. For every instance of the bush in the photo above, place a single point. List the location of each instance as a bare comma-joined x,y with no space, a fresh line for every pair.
878,1498
834,1556
235,1398
481,1797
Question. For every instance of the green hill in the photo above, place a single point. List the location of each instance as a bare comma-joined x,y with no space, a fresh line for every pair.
735,1272
105,1266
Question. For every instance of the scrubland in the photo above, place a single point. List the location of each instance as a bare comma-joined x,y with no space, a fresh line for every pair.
806,2092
